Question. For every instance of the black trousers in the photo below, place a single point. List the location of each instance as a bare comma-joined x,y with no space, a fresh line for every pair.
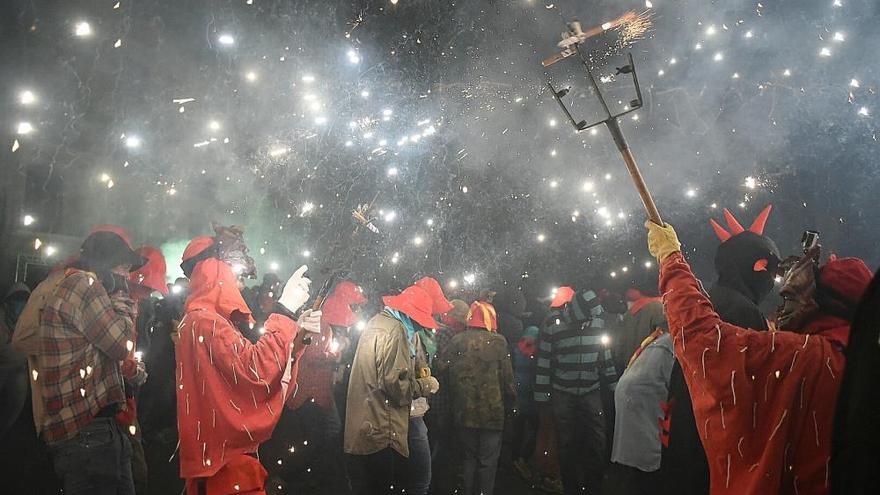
626,480
580,424
380,473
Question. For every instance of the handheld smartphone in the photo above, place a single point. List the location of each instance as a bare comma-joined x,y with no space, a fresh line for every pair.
809,240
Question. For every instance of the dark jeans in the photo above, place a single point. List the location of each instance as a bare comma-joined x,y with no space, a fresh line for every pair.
627,480
375,474
580,422
480,451
418,466
444,453
525,435
97,461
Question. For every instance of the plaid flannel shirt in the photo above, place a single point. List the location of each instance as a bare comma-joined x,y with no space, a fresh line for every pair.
85,334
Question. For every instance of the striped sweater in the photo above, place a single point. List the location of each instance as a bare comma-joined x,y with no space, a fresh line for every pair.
571,354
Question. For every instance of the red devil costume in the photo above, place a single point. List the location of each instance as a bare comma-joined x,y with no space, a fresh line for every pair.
230,393
745,263
318,363
764,401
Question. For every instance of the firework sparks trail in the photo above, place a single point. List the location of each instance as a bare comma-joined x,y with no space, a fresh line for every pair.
631,27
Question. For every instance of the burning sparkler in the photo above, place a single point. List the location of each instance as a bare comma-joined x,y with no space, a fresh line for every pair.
631,27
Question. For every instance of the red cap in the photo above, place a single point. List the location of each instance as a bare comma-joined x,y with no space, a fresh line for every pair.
849,277
563,296
414,302
152,274
440,305
482,315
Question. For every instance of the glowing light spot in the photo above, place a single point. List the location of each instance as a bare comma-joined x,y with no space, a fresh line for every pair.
83,29
24,128
470,278
718,57
390,216
226,39
710,30
854,83
838,36
133,142
605,339
418,241
648,264
751,182
51,250
825,52
864,112
28,220
251,76
541,237
27,97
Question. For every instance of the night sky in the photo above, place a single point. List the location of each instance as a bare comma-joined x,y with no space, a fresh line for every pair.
284,116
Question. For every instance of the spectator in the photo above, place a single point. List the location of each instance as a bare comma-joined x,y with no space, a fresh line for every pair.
525,422
86,331
385,378
644,315
482,386
13,364
574,368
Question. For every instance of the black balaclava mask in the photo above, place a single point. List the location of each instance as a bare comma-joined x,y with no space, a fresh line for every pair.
746,260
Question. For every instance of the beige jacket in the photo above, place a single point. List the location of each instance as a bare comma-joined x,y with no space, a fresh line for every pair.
383,384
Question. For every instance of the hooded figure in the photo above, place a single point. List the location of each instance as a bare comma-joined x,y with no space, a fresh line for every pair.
230,393
763,401
746,263
13,365
856,453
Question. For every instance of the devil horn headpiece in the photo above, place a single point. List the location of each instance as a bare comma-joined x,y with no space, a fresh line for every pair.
757,226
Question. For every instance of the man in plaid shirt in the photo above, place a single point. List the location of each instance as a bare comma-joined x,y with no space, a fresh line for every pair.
86,330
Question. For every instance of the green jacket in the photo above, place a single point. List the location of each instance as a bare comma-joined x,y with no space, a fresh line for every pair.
480,378
383,384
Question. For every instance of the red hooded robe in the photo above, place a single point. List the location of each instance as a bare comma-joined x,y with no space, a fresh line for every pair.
764,401
230,393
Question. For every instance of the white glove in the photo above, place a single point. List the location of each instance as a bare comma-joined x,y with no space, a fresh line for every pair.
310,321
296,291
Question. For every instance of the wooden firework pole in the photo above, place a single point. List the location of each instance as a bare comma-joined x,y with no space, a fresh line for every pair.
613,126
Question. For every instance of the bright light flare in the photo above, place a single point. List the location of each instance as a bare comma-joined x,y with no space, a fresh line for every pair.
452,284
27,97
133,142
24,128
390,216
751,182
840,37
718,57
226,39
28,220
251,76
418,241
353,57
392,171
825,51
83,29
541,237
308,78
864,112
306,208
274,266
470,278
50,250
214,125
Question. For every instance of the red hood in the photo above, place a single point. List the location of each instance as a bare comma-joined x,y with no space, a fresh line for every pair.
214,287
337,308
831,327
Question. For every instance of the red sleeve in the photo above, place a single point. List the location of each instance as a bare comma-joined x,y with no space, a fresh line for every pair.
256,364
704,343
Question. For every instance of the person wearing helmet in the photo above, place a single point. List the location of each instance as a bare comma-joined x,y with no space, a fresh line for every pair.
230,392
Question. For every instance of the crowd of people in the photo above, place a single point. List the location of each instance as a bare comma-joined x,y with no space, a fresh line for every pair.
115,382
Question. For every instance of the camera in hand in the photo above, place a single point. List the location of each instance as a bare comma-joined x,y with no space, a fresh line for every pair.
113,282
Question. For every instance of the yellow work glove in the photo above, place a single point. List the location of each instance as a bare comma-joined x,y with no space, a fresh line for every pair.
662,241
